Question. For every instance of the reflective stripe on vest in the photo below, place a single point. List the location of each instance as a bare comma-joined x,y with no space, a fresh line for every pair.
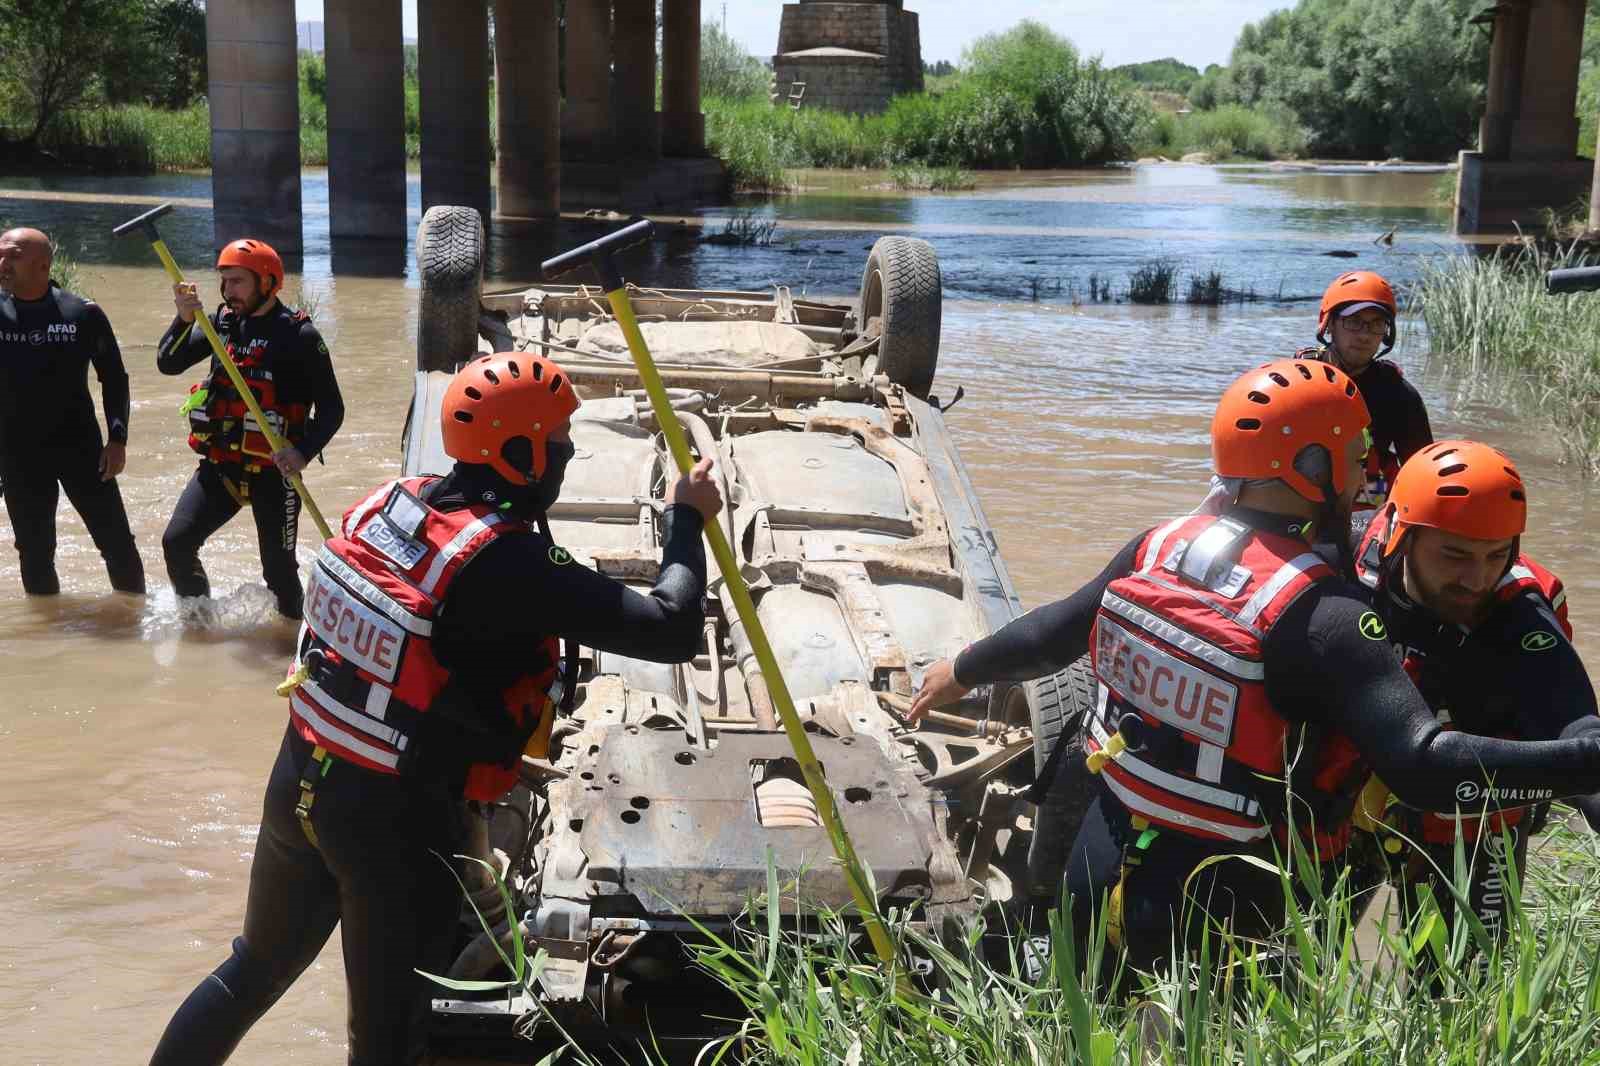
1185,661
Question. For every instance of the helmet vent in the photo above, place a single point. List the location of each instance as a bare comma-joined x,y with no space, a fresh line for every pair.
1517,494
472,390
1454,490
1259,397
1445,452
555,384
1349,387
1279,378
1305,371
1248,423
491,376
463,416
1512,474
538,372
1327,372
511,365
1452,470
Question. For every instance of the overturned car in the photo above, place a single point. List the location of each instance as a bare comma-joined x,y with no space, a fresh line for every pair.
668,787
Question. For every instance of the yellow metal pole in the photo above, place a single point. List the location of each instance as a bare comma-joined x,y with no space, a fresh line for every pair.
273,438
622,307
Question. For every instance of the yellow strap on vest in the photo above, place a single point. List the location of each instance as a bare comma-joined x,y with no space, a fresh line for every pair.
539,744
293,681
1114,913
1115,745
1370,806
316,769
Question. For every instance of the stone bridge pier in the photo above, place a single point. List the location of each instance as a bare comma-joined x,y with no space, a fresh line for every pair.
1527,157
609,147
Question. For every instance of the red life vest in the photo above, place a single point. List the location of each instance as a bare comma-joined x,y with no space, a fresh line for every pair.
1177,647
1523,577
1382,465
374,595
221,427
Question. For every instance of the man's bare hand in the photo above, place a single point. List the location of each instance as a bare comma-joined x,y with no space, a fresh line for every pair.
699,490
939,687
113,459
289,461
187,299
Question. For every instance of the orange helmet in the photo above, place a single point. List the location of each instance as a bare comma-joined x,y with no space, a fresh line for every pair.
498,398
1357,287
259,258
1461,487
1272,414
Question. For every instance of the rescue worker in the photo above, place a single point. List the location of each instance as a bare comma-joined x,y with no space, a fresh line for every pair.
1355,329
49,437
1231,657
1482,629
427,665
285,362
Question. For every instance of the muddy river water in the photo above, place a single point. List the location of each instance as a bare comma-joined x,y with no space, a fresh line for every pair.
134,745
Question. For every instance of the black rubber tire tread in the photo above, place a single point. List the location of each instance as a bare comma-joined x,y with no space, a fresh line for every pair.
909,298
1064,701
1060,701
450,254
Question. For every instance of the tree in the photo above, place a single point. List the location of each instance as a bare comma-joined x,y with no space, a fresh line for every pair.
51,53
726,69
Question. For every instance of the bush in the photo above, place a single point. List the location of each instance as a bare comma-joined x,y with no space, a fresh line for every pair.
1229,132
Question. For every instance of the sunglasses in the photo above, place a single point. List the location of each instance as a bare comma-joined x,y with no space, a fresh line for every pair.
1376,326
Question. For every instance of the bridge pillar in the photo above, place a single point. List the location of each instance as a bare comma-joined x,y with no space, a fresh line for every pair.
683,126
586,131
453,83
366,119
1503,100
1547,124
633,96
254,93
527,108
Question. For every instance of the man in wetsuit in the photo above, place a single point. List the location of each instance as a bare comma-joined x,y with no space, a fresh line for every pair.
286,364
1355,328
49,437
1232,658
427,666
1483,631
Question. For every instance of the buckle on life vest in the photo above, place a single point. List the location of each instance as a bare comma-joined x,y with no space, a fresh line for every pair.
316,769
309,662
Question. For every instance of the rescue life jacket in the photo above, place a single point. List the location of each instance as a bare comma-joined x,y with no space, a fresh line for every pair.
1525,576
366,646
1177,648
1383,466
221,427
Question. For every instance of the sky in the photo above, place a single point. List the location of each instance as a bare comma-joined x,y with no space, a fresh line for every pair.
1123,31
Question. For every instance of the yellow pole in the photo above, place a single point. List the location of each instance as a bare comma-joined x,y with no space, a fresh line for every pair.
273,438
622,307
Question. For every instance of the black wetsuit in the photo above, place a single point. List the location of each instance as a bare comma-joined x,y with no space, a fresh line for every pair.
290,346
49,435
1320,671
377,872
1488,681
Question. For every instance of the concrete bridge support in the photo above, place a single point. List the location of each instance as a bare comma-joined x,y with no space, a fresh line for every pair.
1527,151
586,129
253,89
366,119
453,84
528,109
683,126
633,84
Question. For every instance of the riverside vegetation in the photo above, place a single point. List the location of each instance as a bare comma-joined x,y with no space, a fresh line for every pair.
1314,992
1491,314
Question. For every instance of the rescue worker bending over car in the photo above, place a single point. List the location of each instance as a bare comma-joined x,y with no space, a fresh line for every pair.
428,664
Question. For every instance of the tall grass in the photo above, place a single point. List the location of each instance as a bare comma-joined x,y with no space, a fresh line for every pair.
1492,314
133,138
1419,990
1227,132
